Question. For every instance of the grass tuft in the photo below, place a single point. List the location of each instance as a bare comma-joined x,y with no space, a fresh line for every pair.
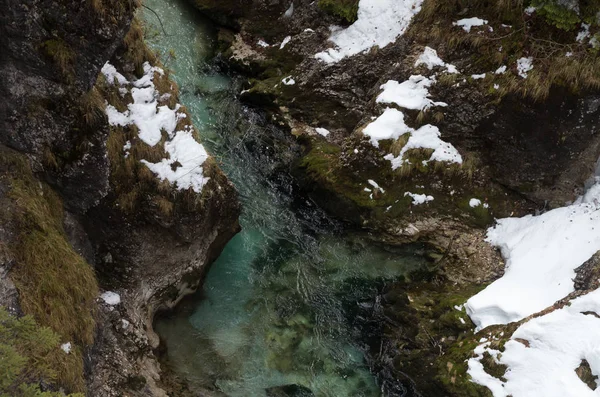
56,286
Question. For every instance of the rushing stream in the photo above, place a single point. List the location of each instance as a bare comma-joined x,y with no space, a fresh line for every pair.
277,306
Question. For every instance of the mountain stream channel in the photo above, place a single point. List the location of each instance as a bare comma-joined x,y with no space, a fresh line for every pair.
280,309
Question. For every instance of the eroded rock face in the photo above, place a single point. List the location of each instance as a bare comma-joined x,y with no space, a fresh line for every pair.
51,54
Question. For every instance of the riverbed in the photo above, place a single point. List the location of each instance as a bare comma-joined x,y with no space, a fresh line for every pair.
279,305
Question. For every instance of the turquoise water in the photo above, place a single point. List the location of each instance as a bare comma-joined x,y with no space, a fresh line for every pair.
278,306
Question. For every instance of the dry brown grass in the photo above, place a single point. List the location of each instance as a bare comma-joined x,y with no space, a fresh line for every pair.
92,107
62,55
56,286
137,51
529,37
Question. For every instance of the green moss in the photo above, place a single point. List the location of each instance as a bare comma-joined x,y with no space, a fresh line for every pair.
452,367
29,353
346,9
56,286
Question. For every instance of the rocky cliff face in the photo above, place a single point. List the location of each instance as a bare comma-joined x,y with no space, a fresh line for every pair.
65,235
528,141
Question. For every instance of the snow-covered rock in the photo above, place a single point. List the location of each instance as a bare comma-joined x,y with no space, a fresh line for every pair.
379,23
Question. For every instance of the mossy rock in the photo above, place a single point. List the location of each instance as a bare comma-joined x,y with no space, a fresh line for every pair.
345,9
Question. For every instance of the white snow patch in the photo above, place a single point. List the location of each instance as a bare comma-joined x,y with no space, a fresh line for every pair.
584,33
124,323
110,72
530,10
288,80
419,198
190,155
111,298
284,42
468,23
410,94
263,43
474,203
322,131
290,11
478,76
309,30
379,23
524,65
390,125
151,121
430,58
558,342
66,347
541,253
501,70
427,137
375,185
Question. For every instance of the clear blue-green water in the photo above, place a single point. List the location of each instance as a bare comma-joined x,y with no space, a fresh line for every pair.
279,305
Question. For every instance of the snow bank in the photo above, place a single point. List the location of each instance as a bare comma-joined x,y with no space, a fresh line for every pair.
558,342
379,23
468,23
541,253
184,156
418,198
430,58
410,94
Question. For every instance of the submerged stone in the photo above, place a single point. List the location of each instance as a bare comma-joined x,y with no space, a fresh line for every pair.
289,391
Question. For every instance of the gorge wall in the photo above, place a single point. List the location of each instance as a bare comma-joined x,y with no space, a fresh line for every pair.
81,215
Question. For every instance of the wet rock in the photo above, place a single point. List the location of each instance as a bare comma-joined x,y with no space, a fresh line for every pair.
289,391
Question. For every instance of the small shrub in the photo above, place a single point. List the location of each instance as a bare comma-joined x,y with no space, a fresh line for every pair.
559,15
29,353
